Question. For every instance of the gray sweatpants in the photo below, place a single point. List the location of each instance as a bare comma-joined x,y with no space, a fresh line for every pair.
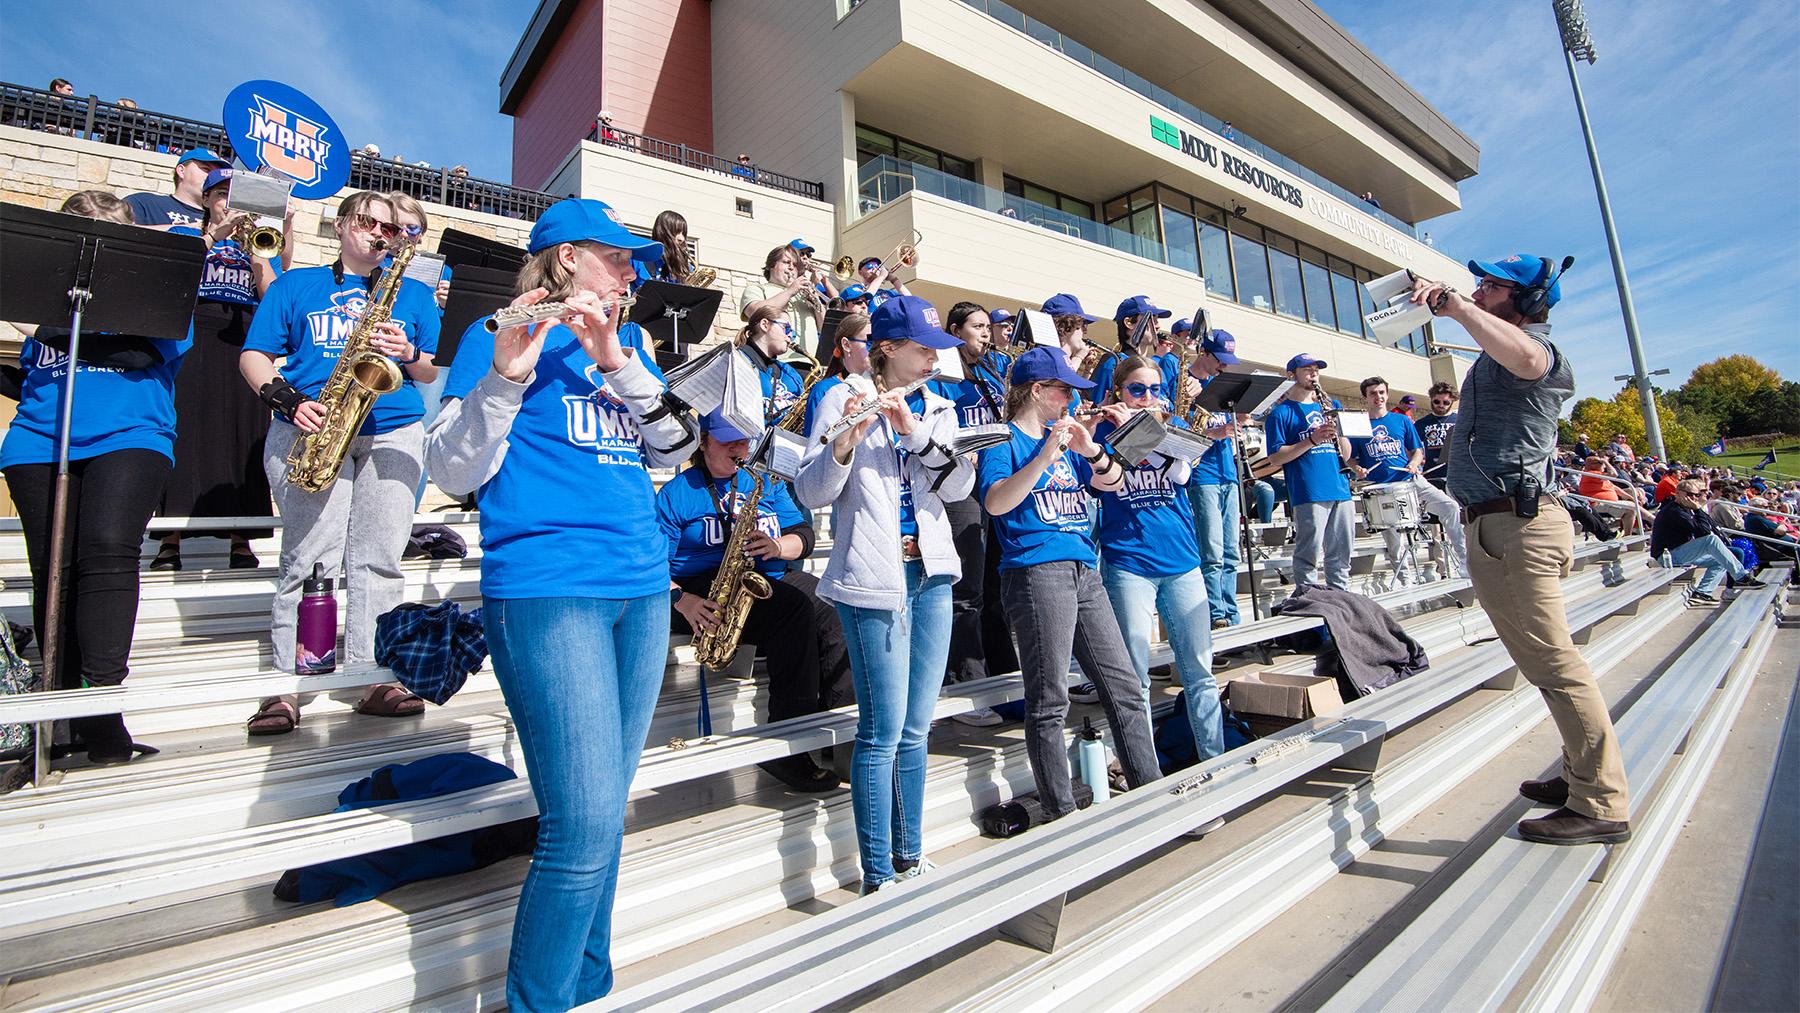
1332,523
1059,609
358,528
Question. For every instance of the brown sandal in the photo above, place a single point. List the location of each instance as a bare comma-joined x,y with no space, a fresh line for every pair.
390,701
275,722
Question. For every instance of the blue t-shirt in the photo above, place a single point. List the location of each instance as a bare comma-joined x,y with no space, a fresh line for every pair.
1147,527
909,519
880,296
980,399
781,384
229,276
1051,523
813,399
474,357
1389,446
115,409
307,316
1218,466
163,209
571,511
1313,477
697,519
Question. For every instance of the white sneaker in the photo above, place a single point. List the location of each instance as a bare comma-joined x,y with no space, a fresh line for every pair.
916,871
1205,828
980,717
1084,693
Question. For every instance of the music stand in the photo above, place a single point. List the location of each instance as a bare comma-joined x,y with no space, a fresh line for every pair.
676,316
465,249
1227,393
107,277
475,292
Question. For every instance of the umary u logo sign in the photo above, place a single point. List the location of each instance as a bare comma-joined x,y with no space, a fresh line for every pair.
279,129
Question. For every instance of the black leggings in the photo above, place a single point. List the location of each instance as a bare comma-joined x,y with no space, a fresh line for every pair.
111,498
785,626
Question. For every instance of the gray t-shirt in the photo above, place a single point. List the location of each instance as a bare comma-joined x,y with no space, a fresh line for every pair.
1506,427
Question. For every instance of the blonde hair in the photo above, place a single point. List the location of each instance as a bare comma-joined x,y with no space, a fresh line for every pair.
404,204
765,313
543,270
359,202
99,204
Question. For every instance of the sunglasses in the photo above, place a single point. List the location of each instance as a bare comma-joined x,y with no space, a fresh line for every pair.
413,231
1440,400
1140,389
368,223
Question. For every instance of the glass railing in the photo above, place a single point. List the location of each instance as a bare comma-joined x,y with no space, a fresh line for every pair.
885,178
1040,32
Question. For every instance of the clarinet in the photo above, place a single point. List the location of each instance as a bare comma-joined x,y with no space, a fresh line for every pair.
1332,415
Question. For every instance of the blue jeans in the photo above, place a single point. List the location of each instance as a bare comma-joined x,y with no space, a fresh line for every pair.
1181,600
1216,526
1263,494
1710,553
580,676
897,660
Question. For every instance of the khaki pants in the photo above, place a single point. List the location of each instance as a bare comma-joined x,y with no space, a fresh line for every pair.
1517,566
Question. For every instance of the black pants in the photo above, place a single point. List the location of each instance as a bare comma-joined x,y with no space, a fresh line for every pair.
110,501
783,626
836,687
980,639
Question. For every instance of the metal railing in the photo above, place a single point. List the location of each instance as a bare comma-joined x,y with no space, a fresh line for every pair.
108,122
1039,32
706,161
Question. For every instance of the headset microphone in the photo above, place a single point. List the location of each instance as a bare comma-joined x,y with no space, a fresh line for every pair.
1534,299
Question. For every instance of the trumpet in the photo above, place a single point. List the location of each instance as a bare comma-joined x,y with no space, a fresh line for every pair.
260,240
869,410
517,316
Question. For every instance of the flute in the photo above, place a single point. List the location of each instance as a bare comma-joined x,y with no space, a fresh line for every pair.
857,417
517,316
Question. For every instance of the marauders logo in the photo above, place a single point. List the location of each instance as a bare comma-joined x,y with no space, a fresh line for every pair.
278,129
289,142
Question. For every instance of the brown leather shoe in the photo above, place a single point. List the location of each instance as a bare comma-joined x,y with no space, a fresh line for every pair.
1566,826
1553,791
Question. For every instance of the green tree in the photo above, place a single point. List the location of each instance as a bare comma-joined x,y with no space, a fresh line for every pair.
1623,414
1744,396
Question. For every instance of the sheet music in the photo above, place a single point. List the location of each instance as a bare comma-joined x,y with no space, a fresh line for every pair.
785,450
974,439
742,402
1268,404
1184,444
950,365
1354,425
426,268
1038,326
700,381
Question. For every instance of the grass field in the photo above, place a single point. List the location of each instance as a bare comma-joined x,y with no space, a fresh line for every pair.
1787,460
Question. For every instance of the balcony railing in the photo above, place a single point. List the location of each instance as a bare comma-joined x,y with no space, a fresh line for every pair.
1042,33
706,161
111,123
884,179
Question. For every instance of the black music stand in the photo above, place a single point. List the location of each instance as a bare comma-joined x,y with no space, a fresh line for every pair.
460,249
676,316
107,277
1229,393
475,292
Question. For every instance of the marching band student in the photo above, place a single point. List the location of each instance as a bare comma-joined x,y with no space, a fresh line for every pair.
785,293
1071,322
1125,319
363,518
556,435
1036,490
697,510
1434,431
1214,492
872,274
1395,454
763,341
1000,328
815,272
121,447
1306,444
219,445
671,231
888,479
1150,560
165,211
849,357
979,400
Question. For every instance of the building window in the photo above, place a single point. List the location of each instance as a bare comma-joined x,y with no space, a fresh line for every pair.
1215,253
1344,289
1316,281
1179,237
1366,304
1251,263
872,143
1284,265
1049,198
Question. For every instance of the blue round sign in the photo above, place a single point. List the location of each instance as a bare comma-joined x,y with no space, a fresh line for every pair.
273,125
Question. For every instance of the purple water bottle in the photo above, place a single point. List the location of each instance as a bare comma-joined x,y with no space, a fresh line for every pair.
315,638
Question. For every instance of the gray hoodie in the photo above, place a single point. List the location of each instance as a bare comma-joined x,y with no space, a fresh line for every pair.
865,570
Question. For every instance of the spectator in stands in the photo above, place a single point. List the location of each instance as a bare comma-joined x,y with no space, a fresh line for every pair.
787,292
1228,132
164,211
744,168
120,451
697,510
1434,430
219,444
371,150
126,103
1368,197
1685,532
61,86
1620,449
1408,406
1598,482
460,172
1665,486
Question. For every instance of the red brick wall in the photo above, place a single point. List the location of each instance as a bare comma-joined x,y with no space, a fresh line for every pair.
559,104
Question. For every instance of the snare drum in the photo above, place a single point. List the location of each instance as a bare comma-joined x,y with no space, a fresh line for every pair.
1391,505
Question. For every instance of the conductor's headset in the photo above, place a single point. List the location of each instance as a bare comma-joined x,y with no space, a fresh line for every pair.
1530,300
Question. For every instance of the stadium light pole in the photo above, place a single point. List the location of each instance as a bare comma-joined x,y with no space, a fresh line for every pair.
1577,44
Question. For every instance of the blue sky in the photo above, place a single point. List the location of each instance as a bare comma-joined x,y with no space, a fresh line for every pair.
1696,106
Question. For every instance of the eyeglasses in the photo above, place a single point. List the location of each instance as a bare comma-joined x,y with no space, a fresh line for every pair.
368,223
1140,389
1493,283
1439,401
413,231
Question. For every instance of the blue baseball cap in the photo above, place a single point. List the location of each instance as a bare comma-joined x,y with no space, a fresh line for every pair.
1223,347
202,155
1182,326
214,178
800,244
999,316
1302,359
1065,305
1041,363
1137,306
714,425
578,220
1520,269
853,293
910,318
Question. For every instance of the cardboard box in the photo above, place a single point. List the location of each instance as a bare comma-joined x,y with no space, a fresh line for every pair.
1294,697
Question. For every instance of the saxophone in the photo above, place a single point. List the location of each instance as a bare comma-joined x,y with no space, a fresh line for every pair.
1096,354
1184,402
360,376
736,587
796,414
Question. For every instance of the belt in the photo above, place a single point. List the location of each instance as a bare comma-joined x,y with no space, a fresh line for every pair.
909,547
1503,504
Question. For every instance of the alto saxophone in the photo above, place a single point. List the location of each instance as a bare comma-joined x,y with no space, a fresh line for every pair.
360,376
1184,402
737,586
796,415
